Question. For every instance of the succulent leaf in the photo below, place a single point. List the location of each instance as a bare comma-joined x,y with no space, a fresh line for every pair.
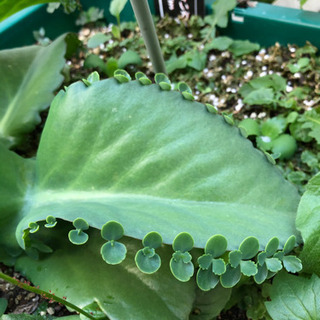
113,252
231,277
206,280
216,246
249,247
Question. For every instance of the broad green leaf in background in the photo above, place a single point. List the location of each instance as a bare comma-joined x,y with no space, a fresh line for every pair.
133,151
311,121
30,75
17,174
241,47
3,305
98,39
219,43
209,304
220,12
121,291
260,96
24,316
9,7
308,222
129,57
116,7
294,298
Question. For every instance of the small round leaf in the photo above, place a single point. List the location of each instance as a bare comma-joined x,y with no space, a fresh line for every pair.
211,108
279,255
182,271
142,78
161,77
262,256
112,230
78,237
165,86
152,239
231,277
183,87
216,245
187,95
34,227
292,264
273,264
249,247
218,267
51,222
147,264
205,261
228,119
261,274
272,247
206,280
235,258
183,242
81,224
113,252
290,244
122,76
248,268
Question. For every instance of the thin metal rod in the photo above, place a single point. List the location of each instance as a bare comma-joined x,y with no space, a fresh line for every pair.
143,15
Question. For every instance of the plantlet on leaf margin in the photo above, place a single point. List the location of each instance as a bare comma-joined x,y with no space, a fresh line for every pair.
147,260
113,252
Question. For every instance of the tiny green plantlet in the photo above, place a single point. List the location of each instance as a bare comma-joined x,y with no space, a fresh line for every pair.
146,163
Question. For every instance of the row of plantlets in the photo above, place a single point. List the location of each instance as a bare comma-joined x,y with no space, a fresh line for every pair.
142,202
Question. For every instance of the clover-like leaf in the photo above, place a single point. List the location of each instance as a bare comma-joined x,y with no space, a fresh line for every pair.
81,224
122,76
34,227
262,256
273,264
152,239
185,91
272,247
112,230
218,266
235,258
248,268
78,237
206,280
231,277
211,108
51,222
216,246
205,261
27,89
183,242
142,78
181,266
147,260
113,252
289,245
262,274
249,247
93,77
228,119
292,263
163,81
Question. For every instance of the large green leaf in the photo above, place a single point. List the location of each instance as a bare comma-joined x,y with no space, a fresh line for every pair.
308,222
17,175
294,298
146,158
31,74
121,291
